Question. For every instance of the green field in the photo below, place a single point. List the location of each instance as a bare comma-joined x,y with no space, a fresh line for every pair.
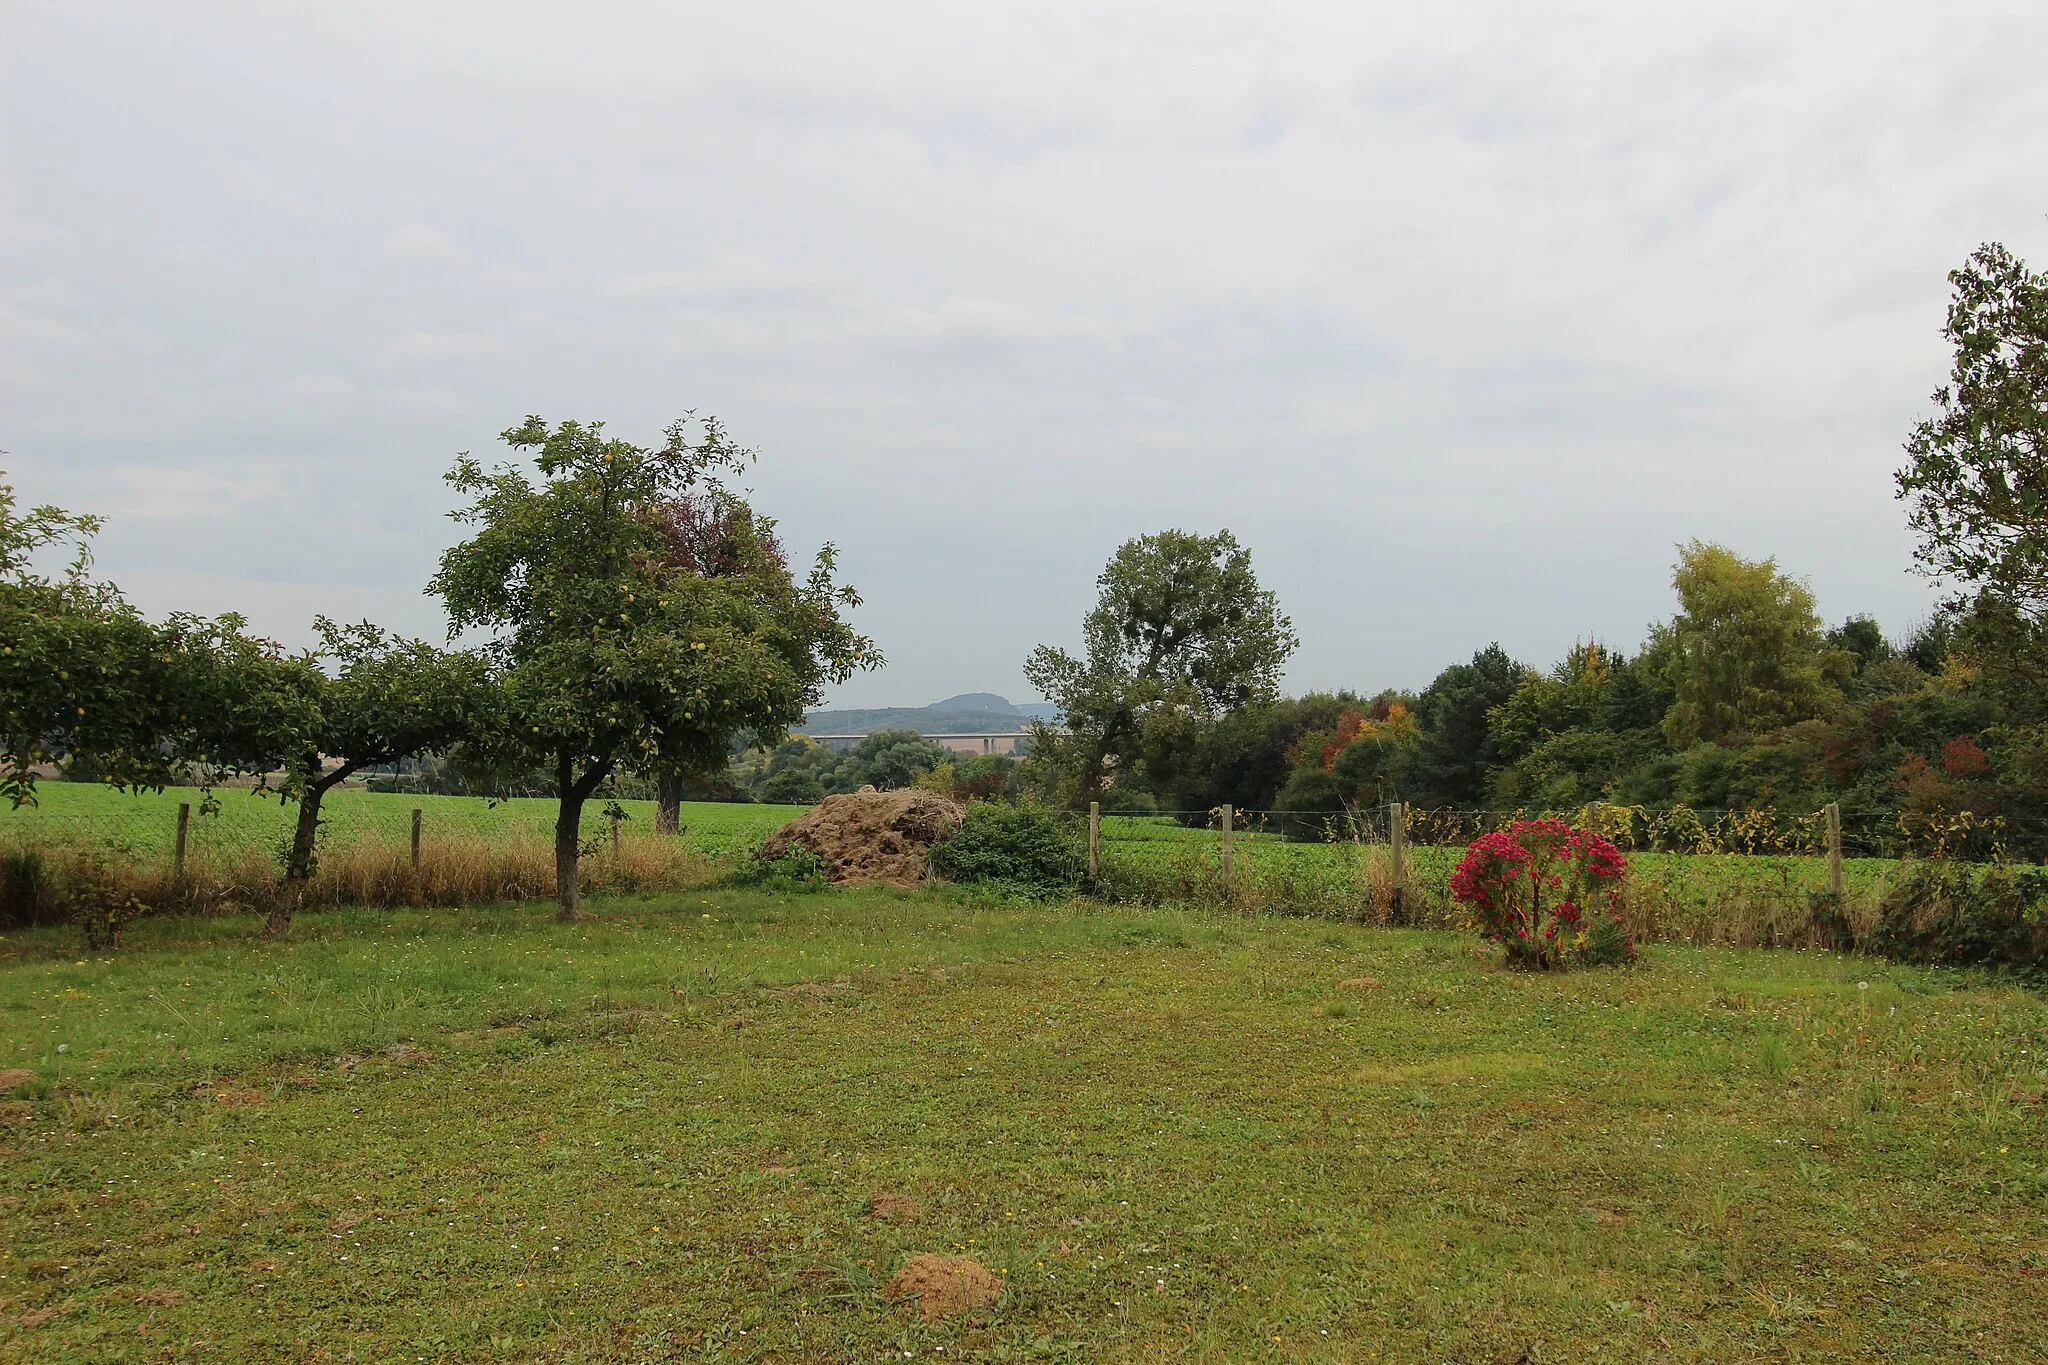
479,1135
145,823
1702,898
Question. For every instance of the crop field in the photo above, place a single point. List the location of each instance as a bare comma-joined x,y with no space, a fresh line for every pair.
480,1135
1726,898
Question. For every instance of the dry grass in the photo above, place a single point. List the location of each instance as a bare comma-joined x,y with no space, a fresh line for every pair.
36,879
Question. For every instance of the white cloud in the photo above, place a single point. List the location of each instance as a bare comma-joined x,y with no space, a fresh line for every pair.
418,244
430,400
202,494
320,386
1459,316
415,348
735,278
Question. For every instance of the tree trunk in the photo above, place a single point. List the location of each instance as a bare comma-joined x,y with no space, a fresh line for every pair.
305,838
568,841
569,829
299,864
668,807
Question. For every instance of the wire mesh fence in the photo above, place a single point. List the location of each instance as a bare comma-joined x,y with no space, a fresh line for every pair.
1733,877
188,848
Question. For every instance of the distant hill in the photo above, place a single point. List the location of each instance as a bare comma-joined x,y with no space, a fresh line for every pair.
970,713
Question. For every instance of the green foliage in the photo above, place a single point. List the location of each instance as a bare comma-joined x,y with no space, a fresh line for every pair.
1976,478
84,679
798,871
792,787
1749,656
1311,806
643,614
1181,635
1248,755
886,760
1457,745
93,892
1956,914
1029,850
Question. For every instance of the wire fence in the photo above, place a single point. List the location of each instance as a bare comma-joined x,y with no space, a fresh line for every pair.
227,848
1740,878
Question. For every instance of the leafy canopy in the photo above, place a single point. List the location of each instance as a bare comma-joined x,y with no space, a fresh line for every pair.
638,607
1749,656
1181,633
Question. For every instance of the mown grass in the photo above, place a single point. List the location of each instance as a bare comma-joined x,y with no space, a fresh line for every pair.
482,1135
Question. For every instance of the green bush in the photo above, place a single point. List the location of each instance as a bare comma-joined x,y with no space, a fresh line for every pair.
1027,849
1960,914
798,871
792,787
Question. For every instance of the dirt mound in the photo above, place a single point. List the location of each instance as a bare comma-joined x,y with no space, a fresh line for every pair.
945,1285
894,1208
13,1076
870,836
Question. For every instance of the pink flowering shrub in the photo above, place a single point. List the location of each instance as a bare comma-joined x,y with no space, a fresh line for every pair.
1549,894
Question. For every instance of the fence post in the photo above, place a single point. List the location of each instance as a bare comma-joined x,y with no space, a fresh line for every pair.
417,813
1835,849
1094,842
1228,844
615,834
184,824
1397,845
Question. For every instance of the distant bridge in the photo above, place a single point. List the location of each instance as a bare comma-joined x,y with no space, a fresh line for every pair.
1005,742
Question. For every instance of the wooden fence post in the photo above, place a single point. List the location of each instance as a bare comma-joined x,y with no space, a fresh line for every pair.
1835,887
417,814
1397,844
1094,842
184,824
1228,847
615,834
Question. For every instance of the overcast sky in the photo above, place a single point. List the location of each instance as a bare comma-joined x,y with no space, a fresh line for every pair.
1459,318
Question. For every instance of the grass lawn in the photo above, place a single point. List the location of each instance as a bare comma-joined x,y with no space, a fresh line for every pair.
481,1135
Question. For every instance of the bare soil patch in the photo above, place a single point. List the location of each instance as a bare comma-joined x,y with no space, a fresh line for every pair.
894,1208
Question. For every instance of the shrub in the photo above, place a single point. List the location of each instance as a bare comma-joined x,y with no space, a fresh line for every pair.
1547,893
1029,849
797,871
96,897
1957,914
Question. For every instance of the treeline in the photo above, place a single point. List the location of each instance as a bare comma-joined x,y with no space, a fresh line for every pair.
1742,699
640,622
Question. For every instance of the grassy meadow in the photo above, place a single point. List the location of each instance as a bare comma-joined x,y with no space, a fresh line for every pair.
480,1135
145,824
